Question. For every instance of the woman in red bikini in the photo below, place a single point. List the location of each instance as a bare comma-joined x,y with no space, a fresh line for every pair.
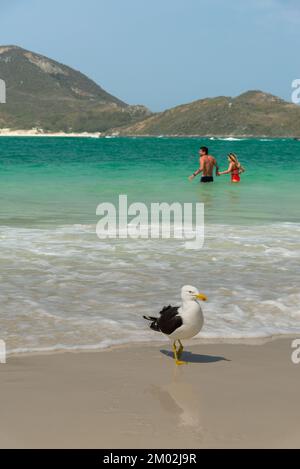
235,168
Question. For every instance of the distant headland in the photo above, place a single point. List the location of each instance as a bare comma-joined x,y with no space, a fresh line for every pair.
45,97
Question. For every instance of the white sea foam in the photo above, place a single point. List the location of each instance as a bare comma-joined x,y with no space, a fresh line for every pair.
64,289
231,139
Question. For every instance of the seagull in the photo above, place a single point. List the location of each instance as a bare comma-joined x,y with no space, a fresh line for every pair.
180,322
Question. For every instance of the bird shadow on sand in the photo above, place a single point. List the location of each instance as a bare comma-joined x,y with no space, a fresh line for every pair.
191,357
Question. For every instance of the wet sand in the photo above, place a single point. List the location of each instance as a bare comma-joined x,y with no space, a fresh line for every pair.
228,395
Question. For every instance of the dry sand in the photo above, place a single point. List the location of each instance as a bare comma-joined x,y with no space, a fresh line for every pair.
135,397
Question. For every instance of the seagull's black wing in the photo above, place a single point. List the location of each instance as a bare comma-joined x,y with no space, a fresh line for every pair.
168,321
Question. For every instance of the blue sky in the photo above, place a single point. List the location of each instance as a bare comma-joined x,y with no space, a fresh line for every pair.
162,53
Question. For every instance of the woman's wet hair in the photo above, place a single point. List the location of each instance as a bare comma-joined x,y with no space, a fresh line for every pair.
234,159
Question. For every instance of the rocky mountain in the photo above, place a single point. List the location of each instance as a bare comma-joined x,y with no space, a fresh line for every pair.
45,94
253,113
42,93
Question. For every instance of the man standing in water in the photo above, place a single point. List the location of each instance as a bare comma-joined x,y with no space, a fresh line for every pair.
207,165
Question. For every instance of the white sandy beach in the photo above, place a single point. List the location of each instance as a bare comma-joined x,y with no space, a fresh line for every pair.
41,133
227,396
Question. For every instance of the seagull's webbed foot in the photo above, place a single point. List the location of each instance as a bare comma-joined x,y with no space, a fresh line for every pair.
176,354
180,362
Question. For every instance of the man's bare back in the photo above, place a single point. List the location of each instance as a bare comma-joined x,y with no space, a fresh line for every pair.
207,163
206,166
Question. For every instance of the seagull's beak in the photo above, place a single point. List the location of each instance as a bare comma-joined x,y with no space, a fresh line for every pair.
201,297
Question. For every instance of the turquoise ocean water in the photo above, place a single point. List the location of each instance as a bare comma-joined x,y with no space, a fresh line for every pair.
62,287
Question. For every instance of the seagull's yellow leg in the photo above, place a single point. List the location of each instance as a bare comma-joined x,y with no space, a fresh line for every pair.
174,350
176,357
180,350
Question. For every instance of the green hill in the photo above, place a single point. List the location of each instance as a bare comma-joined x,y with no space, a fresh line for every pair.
46,94
42,93
251,114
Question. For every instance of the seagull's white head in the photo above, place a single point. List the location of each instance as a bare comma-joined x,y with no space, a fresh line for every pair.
189,293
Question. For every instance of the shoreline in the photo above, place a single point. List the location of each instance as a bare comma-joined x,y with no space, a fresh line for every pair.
105,135
251,341
38,133
227,396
